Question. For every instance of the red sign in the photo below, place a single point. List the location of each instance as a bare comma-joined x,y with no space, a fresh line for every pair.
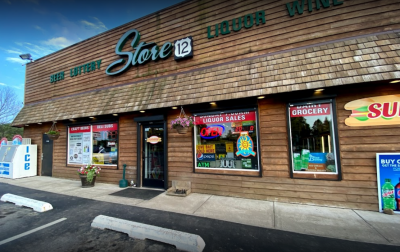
105,127
225,118
310,110
79,129
212,131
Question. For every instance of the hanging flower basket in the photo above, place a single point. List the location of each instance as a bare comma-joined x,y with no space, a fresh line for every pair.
182,123
53,132
53,136
181,130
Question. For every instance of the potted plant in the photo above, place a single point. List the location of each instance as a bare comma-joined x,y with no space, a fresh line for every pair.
182,124
53,132
88,174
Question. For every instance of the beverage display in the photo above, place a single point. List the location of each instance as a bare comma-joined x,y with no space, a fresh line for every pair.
397,195
305,156
297,161
388,195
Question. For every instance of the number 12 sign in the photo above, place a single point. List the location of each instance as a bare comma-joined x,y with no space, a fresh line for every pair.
183,48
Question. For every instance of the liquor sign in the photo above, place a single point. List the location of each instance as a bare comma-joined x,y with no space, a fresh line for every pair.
310,110
388,177
225,118
373,111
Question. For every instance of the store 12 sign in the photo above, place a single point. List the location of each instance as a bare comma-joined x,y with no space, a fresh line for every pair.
147,51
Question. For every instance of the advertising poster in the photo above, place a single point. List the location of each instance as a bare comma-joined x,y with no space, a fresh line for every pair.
229,147
98,158
388,177
372,111
79,146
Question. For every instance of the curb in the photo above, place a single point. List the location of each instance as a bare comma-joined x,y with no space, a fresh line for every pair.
36,205
181,240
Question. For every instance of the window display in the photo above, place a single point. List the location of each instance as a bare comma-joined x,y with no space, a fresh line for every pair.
96,144
312,138
226,141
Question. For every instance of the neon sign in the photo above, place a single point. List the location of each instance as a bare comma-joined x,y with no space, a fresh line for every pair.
211,132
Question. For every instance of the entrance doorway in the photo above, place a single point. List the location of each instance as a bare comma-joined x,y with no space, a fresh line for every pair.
47,156
153,166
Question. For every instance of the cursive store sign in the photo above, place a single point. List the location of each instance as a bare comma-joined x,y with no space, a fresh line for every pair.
143,52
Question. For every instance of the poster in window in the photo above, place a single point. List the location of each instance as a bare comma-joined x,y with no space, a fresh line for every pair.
78,145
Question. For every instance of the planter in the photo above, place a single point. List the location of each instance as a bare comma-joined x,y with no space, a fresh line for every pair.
86,183
53,137
181,130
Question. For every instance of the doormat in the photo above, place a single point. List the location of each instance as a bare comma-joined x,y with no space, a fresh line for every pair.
143,194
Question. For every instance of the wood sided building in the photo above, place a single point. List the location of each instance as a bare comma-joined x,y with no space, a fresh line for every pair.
269,84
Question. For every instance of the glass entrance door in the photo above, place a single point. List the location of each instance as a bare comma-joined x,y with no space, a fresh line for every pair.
153,155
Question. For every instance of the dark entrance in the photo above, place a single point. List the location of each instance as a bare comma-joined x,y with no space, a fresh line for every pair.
153,166
47,156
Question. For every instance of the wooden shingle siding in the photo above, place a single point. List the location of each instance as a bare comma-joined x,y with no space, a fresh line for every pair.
364,59
281,32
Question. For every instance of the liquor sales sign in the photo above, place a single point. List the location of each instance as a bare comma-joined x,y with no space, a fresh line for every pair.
388,177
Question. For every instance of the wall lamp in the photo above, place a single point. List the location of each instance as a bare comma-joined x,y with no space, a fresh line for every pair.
26,56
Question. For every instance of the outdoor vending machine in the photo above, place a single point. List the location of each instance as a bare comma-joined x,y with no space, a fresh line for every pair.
18,161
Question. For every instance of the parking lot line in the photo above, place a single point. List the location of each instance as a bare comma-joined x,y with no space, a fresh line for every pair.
31,231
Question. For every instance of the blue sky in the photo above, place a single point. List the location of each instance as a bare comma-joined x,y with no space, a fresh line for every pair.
40,27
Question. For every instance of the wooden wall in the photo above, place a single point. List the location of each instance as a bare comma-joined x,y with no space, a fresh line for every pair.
281,32
127,151
357,149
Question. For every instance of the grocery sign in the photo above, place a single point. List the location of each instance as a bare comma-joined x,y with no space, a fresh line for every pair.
373,111
310,110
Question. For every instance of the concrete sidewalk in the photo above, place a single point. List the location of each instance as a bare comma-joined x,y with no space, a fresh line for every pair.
354,225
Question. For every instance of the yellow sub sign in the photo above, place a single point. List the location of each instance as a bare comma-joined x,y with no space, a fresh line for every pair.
374,111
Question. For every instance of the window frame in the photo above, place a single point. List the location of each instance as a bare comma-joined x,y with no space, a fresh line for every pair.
335,140
228,171
91,124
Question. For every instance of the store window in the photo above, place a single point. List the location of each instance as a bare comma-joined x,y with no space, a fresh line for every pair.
312,138
227,141
96,144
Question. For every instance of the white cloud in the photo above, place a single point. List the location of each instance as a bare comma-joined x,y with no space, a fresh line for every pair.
97,26
16,60
58,43
35,50
20,87
15,52
38,28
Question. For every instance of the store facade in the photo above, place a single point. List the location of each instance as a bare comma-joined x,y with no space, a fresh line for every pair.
266,83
